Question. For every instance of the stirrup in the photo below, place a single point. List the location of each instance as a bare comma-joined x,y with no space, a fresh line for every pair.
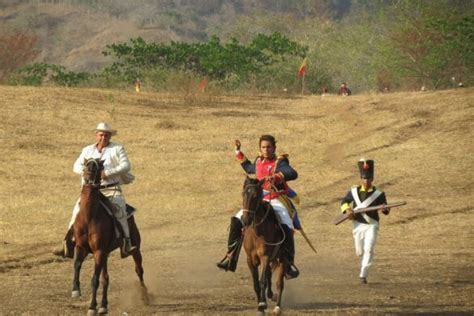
59,252
127,249
224,264
63,251
291,272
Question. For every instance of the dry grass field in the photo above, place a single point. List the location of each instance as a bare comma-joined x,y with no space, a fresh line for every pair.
188,185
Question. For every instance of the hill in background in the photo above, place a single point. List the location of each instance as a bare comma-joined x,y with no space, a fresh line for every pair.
74,33
398,45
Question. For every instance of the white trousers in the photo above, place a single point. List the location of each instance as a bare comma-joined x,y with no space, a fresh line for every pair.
117,199
365,237
280,210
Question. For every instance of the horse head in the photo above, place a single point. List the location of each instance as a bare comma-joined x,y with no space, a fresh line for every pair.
252,199
92,171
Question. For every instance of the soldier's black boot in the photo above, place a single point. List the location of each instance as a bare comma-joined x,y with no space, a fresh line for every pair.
291,271
229,263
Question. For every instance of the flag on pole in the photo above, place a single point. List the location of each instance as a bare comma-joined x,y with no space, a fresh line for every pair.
302,70
202,85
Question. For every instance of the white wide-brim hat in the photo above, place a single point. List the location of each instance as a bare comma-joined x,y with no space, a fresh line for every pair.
104,127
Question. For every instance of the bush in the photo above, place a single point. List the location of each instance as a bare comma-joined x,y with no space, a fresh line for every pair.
39,73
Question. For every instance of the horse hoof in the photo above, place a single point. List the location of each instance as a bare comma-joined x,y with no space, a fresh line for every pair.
76,294
277,310
262,306
91,312
103,310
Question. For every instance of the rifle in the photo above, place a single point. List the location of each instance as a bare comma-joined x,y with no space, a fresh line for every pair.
342,217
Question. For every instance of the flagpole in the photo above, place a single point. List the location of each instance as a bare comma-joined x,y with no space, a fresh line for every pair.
302,83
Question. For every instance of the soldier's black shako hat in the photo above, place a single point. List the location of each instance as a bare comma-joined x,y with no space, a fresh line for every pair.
366,168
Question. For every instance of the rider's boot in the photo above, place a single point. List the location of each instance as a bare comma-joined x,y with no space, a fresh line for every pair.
291,271
229,263
67,248
127,248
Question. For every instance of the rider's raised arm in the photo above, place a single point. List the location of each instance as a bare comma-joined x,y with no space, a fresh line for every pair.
248,167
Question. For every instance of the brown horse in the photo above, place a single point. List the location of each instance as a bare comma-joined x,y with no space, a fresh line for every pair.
94,233
262,240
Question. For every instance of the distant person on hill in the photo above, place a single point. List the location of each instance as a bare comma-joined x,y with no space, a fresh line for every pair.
365,225
344,90
277,171
115,173
324,91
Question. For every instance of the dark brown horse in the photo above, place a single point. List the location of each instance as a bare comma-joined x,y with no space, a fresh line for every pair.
94,233
262,240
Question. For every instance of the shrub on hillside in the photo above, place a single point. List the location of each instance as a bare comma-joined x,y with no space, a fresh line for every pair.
230,62
40,73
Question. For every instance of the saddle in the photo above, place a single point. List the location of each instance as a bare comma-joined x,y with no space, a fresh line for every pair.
108,206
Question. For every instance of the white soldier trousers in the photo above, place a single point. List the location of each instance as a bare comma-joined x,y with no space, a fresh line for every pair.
365,237
280,210
117,199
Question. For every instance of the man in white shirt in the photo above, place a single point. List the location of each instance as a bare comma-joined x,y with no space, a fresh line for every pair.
115,173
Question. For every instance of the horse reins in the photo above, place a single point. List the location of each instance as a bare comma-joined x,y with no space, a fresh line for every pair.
254,225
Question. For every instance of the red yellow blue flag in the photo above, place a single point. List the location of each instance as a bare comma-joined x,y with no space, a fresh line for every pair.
302,70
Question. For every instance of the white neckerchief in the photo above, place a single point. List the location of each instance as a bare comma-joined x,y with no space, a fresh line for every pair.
366,203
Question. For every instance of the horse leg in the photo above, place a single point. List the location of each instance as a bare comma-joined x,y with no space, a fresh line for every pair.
99,258
137,258
262,304
270,293
105,286
79,255
136,241
254,272
279,286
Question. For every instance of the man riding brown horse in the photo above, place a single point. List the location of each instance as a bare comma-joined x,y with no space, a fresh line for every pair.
115,173
276,171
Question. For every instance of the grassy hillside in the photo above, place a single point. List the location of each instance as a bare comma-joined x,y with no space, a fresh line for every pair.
395,45
188,185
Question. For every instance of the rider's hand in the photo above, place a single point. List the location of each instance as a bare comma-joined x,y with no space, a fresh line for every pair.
102,175
237,144
270,179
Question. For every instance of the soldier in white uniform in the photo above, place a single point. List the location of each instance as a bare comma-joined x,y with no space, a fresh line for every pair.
365,225
115,173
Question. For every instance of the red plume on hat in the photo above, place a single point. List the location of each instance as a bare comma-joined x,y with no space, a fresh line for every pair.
366,168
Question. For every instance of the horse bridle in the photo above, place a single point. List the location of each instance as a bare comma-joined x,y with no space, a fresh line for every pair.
263,219
259,199
92,181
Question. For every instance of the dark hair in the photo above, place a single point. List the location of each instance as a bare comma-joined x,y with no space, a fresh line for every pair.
268,138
